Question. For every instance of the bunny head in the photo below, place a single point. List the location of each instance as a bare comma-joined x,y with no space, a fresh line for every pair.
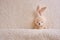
39,20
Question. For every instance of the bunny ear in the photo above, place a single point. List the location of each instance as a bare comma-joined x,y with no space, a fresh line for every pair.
39,11
42,9
37,8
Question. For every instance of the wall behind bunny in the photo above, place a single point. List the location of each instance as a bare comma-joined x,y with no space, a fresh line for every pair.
19,13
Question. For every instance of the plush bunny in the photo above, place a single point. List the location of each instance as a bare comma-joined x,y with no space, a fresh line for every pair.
39,20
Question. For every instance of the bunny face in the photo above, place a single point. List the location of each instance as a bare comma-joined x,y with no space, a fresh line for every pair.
40,22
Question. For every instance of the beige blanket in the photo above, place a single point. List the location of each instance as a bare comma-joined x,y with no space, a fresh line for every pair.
29,34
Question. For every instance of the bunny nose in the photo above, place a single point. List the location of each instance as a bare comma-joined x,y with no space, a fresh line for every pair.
39,23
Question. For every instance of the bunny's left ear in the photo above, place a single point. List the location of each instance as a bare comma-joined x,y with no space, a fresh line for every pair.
42,9
37,9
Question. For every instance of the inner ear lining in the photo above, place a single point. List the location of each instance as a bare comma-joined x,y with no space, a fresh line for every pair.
39,13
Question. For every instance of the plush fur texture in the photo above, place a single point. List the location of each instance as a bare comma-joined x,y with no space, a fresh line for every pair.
29,34
39,20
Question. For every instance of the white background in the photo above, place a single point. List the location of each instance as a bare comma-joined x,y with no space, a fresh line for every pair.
19,13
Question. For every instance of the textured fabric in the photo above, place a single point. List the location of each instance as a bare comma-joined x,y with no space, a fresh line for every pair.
29,34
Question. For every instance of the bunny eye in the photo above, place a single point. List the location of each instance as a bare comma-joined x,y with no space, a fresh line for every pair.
38,23
41,21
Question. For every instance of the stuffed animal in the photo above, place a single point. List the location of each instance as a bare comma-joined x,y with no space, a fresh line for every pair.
39,20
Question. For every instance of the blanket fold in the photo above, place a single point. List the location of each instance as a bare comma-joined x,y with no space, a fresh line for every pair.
29,34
